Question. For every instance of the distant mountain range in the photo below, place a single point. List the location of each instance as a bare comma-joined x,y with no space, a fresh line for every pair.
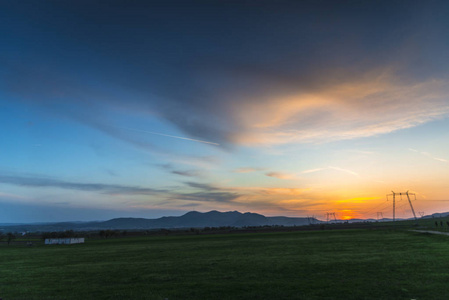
191,219
437,215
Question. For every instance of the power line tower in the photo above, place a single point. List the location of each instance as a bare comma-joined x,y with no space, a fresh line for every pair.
329,216
421,213
409,201
379,215
311,219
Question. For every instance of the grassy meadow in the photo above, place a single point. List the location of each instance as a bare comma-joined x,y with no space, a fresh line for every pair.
327,264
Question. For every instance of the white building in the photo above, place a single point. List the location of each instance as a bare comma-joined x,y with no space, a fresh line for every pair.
64,241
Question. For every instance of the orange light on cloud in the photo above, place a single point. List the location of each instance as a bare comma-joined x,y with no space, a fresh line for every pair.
341,110
347,214
358,200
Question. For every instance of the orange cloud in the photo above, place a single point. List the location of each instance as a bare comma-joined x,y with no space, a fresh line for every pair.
330,168
280,175
246,170
373,104
282,191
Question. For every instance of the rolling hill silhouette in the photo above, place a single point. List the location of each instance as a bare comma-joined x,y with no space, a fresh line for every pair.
191,219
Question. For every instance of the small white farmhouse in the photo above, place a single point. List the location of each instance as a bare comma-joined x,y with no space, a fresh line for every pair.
64,241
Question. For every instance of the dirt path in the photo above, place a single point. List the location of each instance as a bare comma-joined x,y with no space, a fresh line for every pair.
431,231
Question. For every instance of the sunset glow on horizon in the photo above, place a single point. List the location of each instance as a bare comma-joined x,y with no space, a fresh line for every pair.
156,108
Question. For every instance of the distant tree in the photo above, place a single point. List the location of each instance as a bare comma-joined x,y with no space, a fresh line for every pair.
69,233
10,236
109,233
165,231
50,235
45,235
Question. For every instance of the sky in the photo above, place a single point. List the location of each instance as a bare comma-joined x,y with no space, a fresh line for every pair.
155,108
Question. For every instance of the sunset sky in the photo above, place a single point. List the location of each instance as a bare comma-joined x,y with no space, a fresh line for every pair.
153,108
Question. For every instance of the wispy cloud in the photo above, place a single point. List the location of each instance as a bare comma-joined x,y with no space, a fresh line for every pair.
12,196
374,104
344,170
188,173
206,196
241,196
441,159
281,191
429,155
204,192
329,108
112,189
171,136
331,168
281,175
195,161
262,92
362,152
202,186
313,170
247,170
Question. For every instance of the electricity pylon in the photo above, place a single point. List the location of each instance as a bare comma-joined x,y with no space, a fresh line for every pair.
329,215
311,219
379,214
409,201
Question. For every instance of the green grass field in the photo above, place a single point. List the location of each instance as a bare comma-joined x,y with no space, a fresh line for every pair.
427,223
329,264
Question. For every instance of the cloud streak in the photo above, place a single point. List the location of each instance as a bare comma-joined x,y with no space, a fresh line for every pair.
111,189
249,93
344,170
375,104
313,170
186,173
172,136
223,197
247,170
430,155
331,168
281,175
205,193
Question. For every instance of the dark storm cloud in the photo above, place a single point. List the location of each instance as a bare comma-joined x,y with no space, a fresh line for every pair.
203,65
42,182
